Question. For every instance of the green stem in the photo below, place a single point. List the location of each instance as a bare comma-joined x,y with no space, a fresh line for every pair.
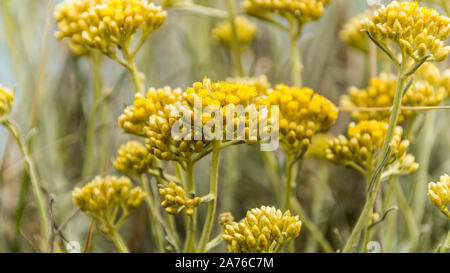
410,221
423,158
295,56
214,179
36,187
89,161
134,71
375,177
291,174
191,221
156,229
391,222
238,66
118,241
445,248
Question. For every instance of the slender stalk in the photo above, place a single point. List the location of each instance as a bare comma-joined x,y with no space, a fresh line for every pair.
36,187
191,223
134,71
372,193
391,222
238,66
423,158
89,161
445,247
295,57
156,229
118,241
291,174
410,221
214,179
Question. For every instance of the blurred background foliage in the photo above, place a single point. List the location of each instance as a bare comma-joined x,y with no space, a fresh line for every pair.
54,95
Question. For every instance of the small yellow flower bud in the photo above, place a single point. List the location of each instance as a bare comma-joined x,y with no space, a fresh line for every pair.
439,193
6,102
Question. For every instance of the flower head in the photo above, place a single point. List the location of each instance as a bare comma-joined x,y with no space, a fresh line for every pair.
104,195
418,31
105,24
260,229
362,144
302,114
439,193
245,31
174,200
135,118
302,11
134,158
6,102
425,91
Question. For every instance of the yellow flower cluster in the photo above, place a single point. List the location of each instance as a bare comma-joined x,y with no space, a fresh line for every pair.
351,32
134,158
418,31
104,196
245,31
174,200
135,118
260,83
363,143
6,102
425,91
439,193
302,11
302,114
260,229
105,24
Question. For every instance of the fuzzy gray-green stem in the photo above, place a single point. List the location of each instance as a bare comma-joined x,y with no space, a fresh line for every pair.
373,190
37,193
213,185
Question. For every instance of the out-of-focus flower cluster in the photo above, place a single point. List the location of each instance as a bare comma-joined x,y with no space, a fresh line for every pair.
104,196
362,144
174,200
425,91
351,32
133,158
105,24
260,83
302,114
260,229
6,102
245,31
302,11
319,145
439,193
418,31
